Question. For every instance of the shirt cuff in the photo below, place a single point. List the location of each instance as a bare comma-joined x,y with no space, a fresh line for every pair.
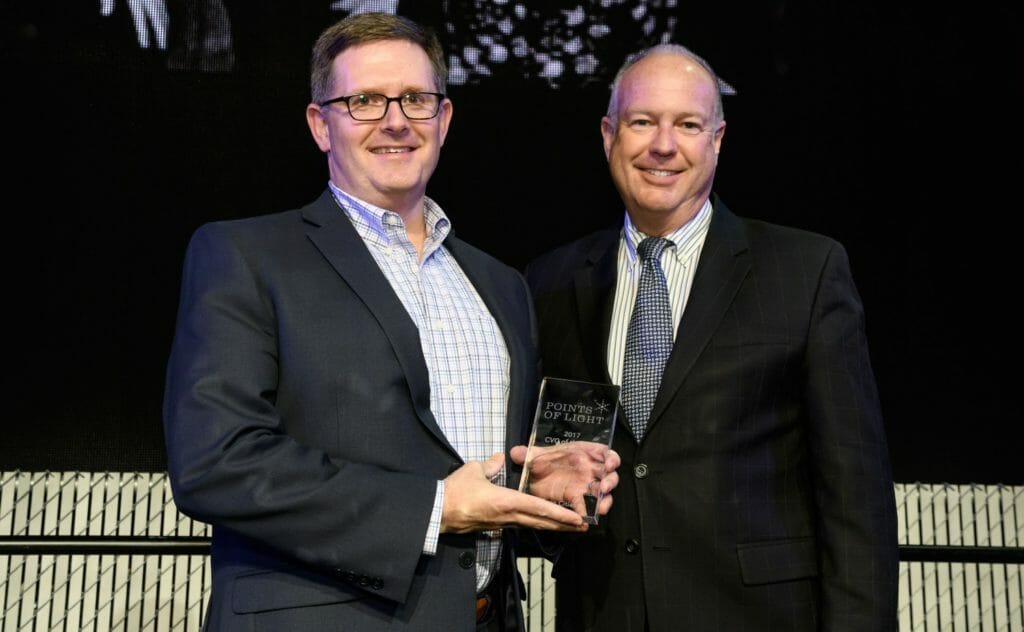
434,528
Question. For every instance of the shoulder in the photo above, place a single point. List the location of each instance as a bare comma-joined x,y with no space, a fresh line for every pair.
482,265
237,248
769,239
465,251
568,257
593,244
268,226
788,237
270,231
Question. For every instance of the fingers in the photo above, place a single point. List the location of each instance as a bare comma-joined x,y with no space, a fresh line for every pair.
518,454
609,483
493,465
537,513
612,460
509,508
572,453
473,503
561,475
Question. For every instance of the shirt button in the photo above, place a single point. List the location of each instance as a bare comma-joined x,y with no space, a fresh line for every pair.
640,470
449,388
467,559
632,546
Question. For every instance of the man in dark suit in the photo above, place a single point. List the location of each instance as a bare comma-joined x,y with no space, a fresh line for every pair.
760,494
346,378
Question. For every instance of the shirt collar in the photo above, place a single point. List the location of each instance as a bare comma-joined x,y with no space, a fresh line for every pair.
385,227
680,237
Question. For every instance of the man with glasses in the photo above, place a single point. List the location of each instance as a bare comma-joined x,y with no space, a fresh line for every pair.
760,495
347,377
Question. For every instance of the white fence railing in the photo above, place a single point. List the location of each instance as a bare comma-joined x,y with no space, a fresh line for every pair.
83,569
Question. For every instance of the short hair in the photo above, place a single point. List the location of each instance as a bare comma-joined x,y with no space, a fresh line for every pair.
363,28
671,49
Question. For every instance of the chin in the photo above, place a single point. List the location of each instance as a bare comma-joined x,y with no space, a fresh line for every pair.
398,186
658,208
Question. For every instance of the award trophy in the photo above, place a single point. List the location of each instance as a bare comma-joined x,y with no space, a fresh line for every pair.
570,411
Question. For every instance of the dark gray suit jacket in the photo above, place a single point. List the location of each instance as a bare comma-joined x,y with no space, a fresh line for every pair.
761,497
297,421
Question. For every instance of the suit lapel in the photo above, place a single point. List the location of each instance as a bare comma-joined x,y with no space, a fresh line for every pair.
724,263
595,298
337,240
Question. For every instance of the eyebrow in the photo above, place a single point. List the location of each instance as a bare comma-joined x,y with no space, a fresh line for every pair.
405,90
680,115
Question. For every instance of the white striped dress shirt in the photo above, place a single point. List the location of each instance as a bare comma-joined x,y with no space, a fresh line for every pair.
678,262
463,347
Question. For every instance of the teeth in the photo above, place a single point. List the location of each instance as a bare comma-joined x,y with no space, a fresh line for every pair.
659,172
389,150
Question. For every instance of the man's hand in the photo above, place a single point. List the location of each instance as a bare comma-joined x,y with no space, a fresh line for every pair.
473,503
565,472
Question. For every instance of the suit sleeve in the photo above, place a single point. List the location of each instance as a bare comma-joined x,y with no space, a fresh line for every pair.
852,474
233,464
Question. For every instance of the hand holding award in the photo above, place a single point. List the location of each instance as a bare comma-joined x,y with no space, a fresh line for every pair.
569,459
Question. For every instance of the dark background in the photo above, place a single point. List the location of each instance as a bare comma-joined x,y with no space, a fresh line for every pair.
894,129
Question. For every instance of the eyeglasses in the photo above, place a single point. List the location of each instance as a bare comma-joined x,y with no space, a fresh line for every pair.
416,106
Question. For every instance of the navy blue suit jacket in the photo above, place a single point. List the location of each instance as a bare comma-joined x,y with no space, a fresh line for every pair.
298,423
761,496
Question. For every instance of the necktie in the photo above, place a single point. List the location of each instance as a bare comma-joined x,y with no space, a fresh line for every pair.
648,338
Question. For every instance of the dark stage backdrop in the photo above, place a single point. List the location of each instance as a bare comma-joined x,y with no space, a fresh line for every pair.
893,129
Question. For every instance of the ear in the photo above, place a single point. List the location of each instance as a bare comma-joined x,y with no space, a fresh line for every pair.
608,134
316,118
719,133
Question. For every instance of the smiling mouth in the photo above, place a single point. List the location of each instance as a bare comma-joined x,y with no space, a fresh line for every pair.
659,172
391,150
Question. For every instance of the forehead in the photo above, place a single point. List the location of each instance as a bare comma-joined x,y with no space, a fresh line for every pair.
380,65
667,82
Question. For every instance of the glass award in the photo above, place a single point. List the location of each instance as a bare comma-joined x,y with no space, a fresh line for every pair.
570,412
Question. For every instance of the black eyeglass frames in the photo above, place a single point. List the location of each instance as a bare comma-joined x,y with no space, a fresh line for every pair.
416,106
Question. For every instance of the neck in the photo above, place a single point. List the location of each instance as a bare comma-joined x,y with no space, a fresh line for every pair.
409,208
415,227
655,224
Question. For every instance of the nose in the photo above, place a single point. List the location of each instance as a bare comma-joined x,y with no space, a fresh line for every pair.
394,119
664,142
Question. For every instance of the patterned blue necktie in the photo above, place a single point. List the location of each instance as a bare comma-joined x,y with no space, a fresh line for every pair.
648,339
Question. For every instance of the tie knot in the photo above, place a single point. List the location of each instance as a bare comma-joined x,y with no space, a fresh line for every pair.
651,248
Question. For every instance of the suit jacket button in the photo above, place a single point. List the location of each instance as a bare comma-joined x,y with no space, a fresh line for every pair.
632,546
640,470
467,559
378,583
364,581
